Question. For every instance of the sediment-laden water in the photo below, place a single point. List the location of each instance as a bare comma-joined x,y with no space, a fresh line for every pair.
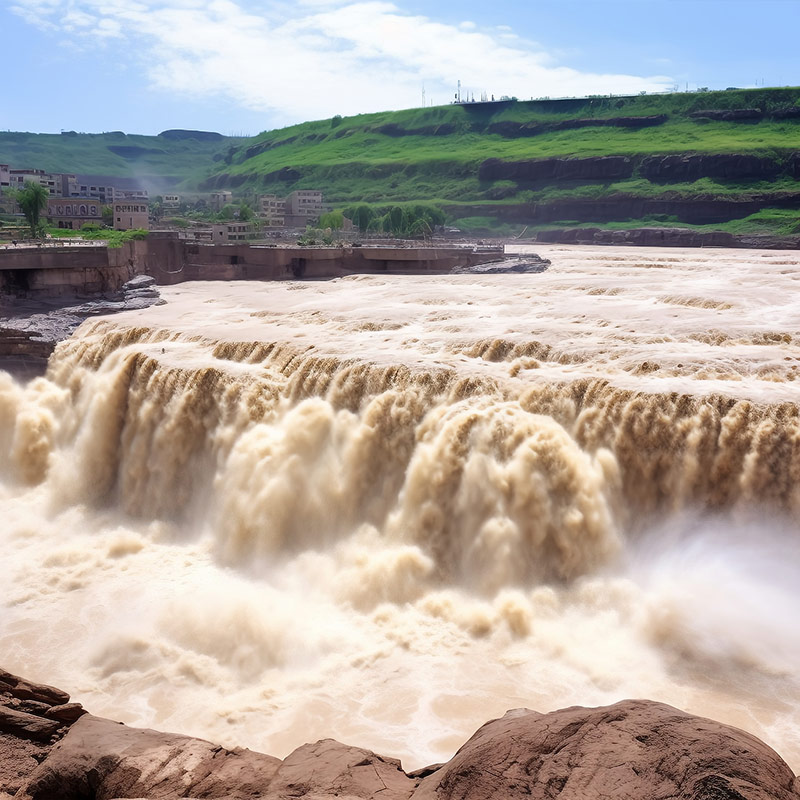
386,509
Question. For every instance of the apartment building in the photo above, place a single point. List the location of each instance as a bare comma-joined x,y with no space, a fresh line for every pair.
5,177
73,212
170,201
303,207
233,232
220,199
131,214
272,209
19,177
121,195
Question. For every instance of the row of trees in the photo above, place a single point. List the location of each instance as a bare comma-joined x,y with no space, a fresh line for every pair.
418,219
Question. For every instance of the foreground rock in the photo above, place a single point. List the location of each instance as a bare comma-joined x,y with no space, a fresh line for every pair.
331,769
102,759
28,729
634,750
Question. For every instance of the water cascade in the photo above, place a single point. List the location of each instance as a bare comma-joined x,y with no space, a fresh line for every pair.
268,516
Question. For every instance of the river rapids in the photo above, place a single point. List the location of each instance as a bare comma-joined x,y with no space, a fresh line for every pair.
388,508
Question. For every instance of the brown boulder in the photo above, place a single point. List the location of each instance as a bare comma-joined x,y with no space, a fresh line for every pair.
26,690
633,750
69,712
328,769
102,759
18,759
28,726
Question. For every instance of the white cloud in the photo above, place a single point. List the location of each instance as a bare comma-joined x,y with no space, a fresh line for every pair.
317,58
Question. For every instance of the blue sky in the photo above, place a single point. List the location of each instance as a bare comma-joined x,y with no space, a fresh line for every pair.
243,66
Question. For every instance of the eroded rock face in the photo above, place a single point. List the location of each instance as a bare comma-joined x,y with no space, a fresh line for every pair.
667,237
633,750
331,769
101,759
28,727
593,168
722,166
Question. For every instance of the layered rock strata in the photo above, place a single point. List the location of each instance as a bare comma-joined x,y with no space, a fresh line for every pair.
31,328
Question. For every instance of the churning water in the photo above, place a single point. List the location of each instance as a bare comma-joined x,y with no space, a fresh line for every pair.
386,509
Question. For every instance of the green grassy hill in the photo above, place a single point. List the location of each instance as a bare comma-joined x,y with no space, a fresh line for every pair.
727,160
490,164
171,160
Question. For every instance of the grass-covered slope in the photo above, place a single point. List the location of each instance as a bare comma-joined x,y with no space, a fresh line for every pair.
475,160
173,159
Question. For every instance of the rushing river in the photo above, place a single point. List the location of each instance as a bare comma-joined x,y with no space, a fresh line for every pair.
387,509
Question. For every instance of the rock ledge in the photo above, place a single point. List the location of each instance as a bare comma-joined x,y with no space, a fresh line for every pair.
632,750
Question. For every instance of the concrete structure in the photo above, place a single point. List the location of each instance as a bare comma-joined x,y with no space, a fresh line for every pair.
100,188
66,269
220,199
121,195
131,214
73,212
171,260
19,177
272,209
69,268
170,201
7,204
103,192
233,232
303,207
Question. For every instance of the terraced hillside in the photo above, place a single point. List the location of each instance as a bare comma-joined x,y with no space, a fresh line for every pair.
173,159
728,160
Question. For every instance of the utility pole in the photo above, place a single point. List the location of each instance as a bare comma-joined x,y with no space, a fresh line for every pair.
423,95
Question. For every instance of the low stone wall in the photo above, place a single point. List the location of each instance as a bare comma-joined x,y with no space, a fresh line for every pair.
80,270
172,261
96,269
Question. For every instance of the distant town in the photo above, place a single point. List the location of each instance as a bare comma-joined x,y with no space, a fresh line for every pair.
76,201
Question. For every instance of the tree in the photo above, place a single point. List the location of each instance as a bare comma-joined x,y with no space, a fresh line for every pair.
157,209
333,220
362,217
32,200
245,212
396,221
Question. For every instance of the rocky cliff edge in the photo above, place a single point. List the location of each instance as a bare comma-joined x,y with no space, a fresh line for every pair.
633,750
